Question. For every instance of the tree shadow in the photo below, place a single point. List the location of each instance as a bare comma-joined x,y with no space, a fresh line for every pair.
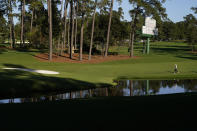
30,50
179,50
3,49
39,57
191,57
16,83
14,66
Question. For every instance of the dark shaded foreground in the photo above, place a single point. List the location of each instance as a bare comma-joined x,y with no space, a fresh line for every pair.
174,112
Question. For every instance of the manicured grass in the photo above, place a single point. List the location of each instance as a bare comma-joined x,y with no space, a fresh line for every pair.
104,113
158,65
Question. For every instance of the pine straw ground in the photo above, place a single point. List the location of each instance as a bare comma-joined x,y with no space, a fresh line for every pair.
95,58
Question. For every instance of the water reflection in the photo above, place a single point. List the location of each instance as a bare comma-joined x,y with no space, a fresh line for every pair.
123,88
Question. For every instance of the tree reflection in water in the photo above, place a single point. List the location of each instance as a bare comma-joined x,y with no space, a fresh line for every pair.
123,88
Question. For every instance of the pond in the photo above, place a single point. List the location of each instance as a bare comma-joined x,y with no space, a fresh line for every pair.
123,88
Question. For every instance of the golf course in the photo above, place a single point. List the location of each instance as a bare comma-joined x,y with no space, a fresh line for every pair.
159,65
77,65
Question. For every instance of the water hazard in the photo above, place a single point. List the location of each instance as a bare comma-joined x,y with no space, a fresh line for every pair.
123,88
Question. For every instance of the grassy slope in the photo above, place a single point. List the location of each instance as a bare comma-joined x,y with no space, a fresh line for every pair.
159,64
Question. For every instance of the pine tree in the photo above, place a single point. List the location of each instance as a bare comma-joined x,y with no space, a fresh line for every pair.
50,28
92,33
109,26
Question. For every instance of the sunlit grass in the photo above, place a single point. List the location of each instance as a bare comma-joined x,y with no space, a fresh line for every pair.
157,65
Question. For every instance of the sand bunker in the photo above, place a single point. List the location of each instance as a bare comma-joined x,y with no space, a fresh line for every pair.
36,71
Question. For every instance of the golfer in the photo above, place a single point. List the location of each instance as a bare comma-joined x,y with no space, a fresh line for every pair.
175,69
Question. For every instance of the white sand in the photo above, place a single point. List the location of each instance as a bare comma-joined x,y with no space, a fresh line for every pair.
36,71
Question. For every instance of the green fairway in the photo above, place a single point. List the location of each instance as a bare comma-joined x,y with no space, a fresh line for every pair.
158,65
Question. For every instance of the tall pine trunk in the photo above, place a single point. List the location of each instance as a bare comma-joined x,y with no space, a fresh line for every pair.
65,24
10,24
50,29
81,38
92,34
71,28
133,25
129,39
109,28
132,43
61,11
22,22
62,33
12,36
69,21
76,10
32,19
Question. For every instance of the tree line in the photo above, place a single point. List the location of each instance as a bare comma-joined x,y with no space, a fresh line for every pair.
83,25
185,31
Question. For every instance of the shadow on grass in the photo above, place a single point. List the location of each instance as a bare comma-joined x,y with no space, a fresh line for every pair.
178,51
30,50
14,66
170,50
25,84
3,49
191,57
39,57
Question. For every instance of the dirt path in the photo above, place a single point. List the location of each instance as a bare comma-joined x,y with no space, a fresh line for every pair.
95,58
